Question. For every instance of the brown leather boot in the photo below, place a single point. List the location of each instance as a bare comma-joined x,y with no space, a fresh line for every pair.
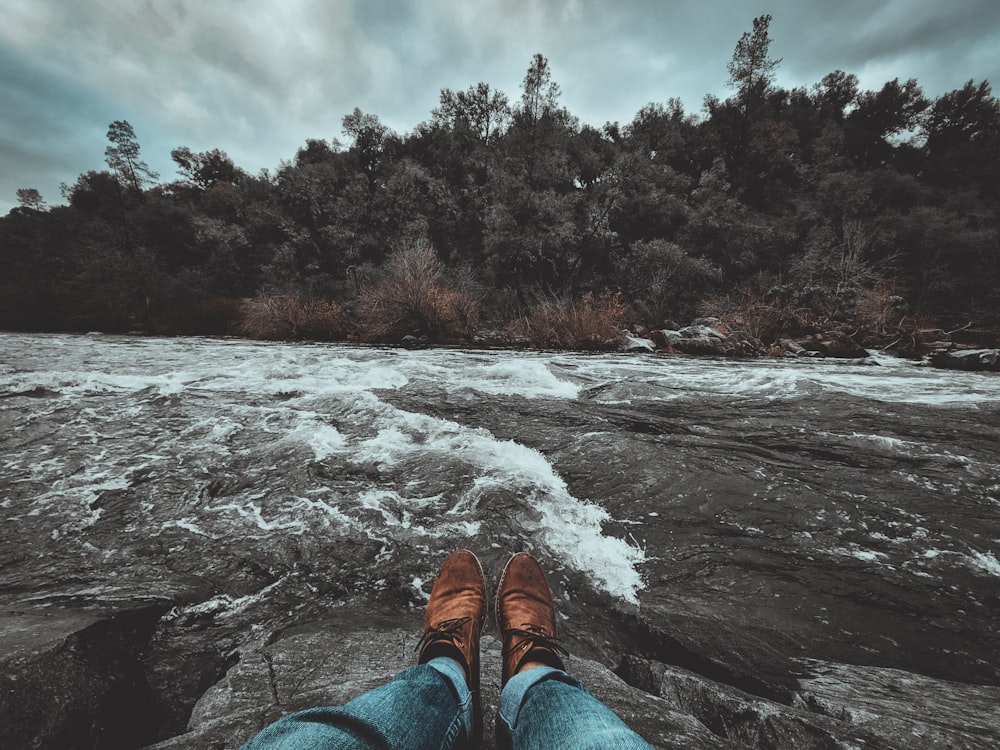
526,617
454,620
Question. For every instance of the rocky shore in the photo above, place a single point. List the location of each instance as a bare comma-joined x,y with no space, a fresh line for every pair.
961,350
109,683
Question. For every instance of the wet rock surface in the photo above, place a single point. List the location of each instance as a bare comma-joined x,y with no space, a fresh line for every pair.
698,338
201,536
968,359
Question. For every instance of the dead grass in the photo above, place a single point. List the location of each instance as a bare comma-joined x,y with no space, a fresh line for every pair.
589,323
409,299
286,317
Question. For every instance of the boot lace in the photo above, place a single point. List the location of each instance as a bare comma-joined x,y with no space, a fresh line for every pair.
446,630
536,636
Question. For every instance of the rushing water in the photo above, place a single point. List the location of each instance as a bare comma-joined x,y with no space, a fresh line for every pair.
829,499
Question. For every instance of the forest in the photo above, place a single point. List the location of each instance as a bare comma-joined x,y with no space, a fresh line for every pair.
779,212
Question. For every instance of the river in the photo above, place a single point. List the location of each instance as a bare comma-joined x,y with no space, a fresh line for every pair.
839,511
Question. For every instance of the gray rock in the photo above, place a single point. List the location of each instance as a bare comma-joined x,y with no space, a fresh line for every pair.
898,706
792,348
984,360
71,679
696,339
834,344
630,343
700,331
837,706
330,663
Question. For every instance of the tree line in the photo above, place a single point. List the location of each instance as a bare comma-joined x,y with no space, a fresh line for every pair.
785,209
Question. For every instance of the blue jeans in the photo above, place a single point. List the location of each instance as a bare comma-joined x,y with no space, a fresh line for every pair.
429,707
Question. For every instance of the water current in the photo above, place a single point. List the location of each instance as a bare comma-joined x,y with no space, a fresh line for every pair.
837,501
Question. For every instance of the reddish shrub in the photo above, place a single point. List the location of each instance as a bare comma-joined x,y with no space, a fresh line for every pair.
409,299
283,317
588,323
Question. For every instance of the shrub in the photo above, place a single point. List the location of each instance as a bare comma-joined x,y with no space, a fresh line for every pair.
757,319
282,317
881,309
409,299
589,323
663,280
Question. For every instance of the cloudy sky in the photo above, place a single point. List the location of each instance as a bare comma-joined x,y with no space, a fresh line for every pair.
257,78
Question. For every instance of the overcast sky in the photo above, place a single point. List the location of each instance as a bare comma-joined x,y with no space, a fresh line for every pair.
257,79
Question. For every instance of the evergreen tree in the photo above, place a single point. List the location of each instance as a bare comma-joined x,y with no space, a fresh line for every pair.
123,159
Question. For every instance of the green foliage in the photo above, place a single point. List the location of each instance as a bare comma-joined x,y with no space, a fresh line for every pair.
205,170
751,71
779,210
31,199
480,111
123,159
664,281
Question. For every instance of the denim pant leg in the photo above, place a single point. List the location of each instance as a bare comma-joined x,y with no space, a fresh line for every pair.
427,707
545,709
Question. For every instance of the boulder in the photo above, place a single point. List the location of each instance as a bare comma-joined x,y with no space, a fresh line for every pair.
834,344
985,360
630,343
792,348
668,336
697,339
413,342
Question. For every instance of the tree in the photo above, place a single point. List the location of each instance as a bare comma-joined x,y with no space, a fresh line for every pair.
30,198
541,130
881,116
122,157
482,110
894,109
539,94
751,71
317,151
837,91
963,137
369,136
665,134
95,193
206,169
968,114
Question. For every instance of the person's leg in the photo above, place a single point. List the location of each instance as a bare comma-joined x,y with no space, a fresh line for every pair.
542,707
427,707
432,706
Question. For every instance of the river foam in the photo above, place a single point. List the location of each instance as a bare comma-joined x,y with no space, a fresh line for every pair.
269,411
277,440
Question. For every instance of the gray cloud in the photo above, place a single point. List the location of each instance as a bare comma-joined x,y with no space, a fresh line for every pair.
257,79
